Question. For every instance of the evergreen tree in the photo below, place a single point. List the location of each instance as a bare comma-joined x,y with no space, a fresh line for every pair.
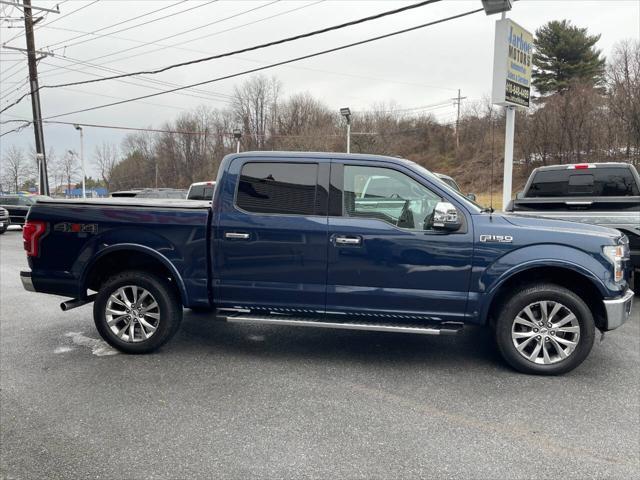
565,53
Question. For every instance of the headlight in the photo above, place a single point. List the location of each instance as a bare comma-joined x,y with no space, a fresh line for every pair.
616,254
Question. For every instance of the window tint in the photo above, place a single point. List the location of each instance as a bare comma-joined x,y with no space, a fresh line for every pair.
201,192
388,195
8,200
287,188
599,182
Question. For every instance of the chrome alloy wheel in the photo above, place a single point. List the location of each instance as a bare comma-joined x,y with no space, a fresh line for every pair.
545,332
132,314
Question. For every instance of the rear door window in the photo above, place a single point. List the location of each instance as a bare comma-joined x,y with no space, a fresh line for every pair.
598,182
280,188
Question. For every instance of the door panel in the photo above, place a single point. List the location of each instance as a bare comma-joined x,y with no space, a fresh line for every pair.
275,256
397,267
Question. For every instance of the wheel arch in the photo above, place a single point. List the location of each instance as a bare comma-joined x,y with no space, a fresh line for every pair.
121,257
573,277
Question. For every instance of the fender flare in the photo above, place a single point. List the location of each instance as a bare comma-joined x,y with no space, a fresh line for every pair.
539,263
143,249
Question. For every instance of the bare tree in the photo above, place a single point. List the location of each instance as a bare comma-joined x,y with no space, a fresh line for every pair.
623,75
69,168
255,108
15,168
106,158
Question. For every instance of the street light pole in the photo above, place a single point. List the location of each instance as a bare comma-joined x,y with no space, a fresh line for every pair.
84,174
346,113
237,134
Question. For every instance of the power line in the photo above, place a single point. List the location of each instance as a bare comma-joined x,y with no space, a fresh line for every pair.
163,47
208,35
84,34
260,46
149,80
56,20
248,49
284,62
174,35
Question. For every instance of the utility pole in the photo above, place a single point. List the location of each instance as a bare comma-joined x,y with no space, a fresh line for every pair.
457,101
35,98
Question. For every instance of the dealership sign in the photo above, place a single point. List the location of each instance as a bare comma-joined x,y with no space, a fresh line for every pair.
512,64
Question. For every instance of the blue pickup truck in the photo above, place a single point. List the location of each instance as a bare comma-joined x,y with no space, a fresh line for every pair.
306,239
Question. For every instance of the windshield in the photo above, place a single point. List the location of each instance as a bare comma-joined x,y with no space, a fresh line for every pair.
471,205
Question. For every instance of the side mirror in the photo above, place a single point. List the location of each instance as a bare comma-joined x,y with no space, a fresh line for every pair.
445,217
471,196
519,195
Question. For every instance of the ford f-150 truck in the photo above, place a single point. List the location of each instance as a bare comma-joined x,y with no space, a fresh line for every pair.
606,194
303,239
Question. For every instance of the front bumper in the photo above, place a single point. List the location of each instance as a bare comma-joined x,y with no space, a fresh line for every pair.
618,310
27,283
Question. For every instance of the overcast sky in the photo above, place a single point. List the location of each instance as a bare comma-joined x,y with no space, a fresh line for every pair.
419,68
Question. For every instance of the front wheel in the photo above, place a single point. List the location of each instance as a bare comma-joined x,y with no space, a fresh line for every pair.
545,329
2,230
137,312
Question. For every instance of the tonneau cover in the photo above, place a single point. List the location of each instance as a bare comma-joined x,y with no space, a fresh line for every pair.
129,202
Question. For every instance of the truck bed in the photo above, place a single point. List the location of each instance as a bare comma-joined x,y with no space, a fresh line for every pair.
81,231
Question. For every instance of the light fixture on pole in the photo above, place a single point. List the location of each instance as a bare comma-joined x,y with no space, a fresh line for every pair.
84,174
237,134
346,113
496,6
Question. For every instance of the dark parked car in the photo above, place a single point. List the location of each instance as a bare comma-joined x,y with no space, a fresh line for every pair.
18,206
328,240
5,221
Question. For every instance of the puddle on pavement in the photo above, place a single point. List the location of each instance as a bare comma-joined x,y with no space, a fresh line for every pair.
99,348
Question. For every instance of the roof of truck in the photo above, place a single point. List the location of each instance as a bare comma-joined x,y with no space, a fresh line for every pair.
568,166
327,155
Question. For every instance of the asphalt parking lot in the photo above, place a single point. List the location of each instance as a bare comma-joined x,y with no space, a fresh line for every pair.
233,401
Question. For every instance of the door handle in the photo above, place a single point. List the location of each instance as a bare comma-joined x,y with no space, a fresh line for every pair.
236,236
348,240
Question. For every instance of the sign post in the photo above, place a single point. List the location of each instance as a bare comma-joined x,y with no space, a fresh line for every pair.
511,85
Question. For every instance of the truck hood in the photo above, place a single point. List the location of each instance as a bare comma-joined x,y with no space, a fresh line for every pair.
540,223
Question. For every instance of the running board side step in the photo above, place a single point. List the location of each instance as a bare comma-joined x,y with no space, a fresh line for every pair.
446,328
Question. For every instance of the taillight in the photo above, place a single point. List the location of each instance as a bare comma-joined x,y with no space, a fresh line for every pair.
31,234
581,166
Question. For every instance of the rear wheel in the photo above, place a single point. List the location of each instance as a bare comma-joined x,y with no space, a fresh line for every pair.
137,312
545,330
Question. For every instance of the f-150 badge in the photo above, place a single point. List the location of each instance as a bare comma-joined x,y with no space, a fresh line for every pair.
68,227
496,238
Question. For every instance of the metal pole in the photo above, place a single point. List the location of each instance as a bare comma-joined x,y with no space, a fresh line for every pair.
458,123
508,155
84,174
237,145
35,96
348,136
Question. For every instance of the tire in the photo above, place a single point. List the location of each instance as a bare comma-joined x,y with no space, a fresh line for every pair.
2,230
519,323
153,326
